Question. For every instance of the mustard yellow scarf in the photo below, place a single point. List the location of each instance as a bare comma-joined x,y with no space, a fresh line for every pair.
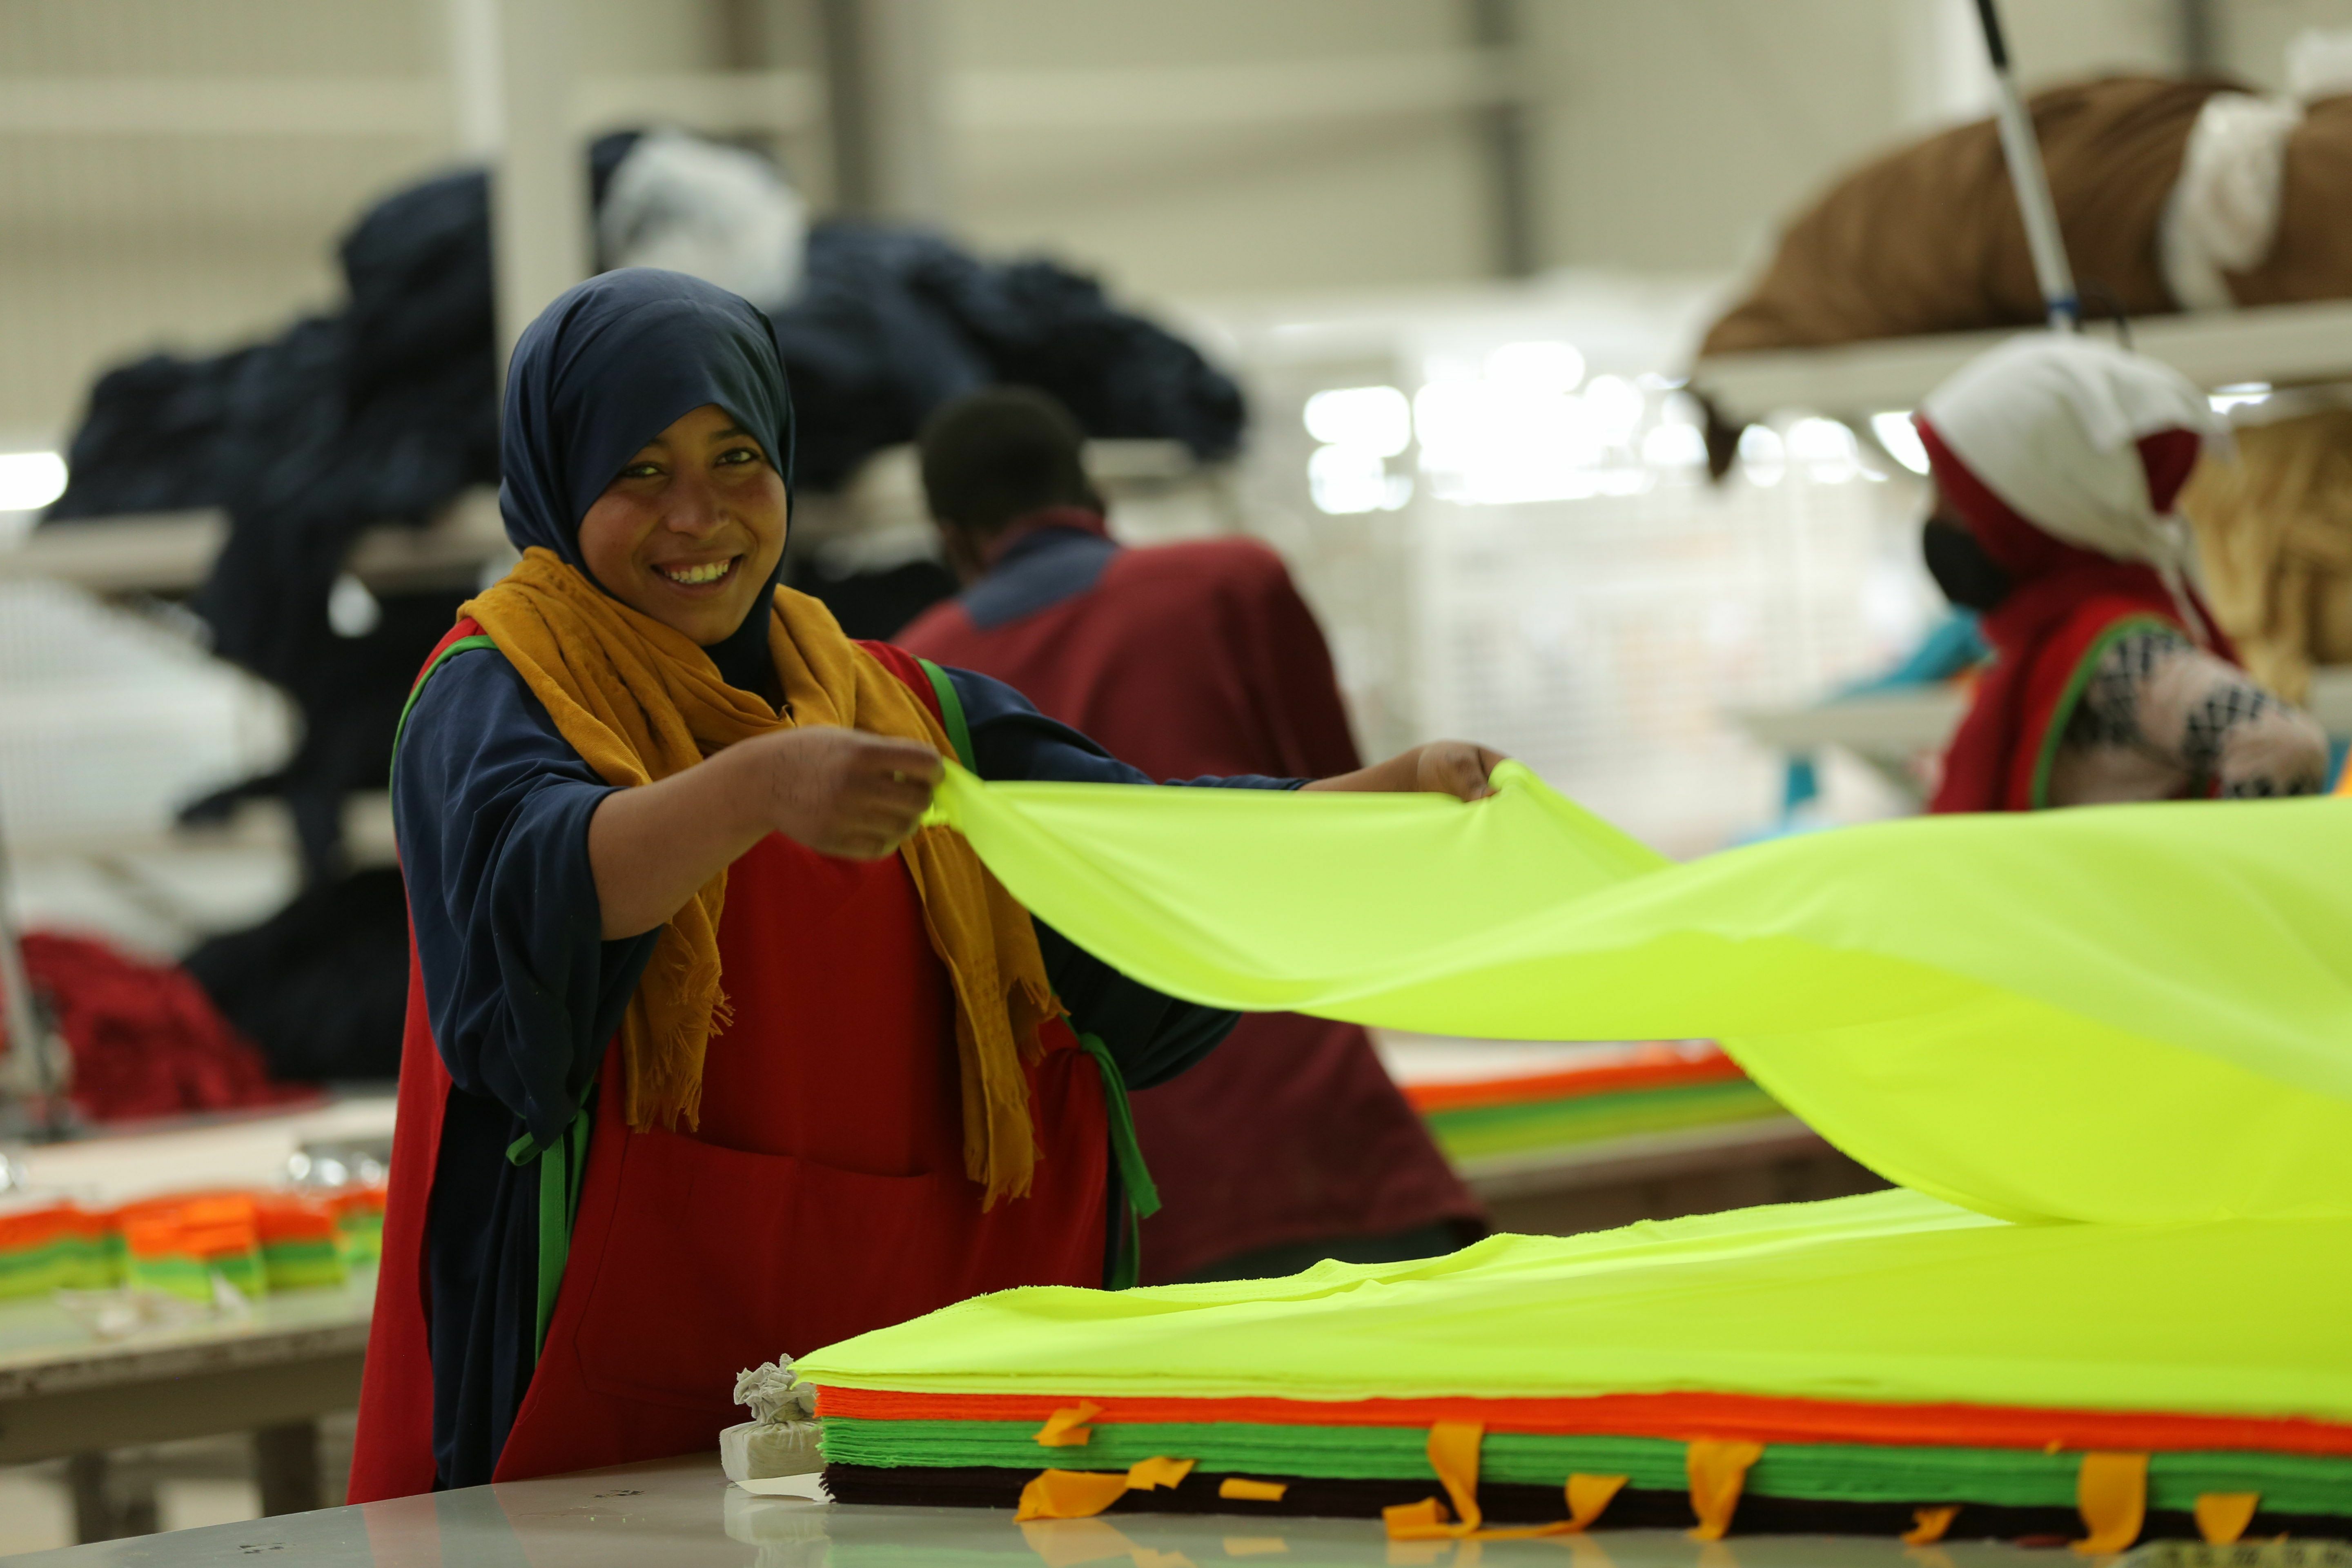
639,702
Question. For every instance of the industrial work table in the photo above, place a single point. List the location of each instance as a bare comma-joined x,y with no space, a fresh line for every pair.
271,1372
683,1511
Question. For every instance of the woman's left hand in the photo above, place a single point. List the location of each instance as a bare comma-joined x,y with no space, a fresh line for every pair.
1458,768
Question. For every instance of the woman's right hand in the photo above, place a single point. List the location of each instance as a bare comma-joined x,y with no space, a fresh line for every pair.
840,792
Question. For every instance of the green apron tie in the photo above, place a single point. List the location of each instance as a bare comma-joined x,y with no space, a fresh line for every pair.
560,1166
1134,1177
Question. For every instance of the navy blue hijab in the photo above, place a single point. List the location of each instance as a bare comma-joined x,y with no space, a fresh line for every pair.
610,365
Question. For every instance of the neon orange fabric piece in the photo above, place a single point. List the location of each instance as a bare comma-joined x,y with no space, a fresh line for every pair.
2111,1494
1718,1470
2223,1517
1067,1429
1664,1069
1928,1524
1239,1488
1673,1416
1588,1497
1070,1494
1146,1474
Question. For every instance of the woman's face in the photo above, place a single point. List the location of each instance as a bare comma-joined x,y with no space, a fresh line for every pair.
691,530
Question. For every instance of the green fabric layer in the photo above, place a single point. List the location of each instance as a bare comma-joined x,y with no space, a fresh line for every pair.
1471,1132
69,1263
1841,1472
1889,1297
2122,1014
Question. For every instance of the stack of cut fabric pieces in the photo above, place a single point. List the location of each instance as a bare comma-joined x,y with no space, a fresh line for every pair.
2102,1051
1488,1102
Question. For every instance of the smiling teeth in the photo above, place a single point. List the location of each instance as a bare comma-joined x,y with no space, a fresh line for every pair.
690,576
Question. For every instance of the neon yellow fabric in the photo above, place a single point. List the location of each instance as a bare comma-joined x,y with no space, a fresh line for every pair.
2136,1015
1891,1297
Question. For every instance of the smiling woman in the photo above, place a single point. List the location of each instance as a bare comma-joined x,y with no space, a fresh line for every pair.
712,1050
691,530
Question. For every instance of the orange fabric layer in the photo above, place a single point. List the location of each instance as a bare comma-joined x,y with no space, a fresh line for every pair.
2111,1494
1241,1488
1718,1471
1067,1429
2223,1517
1678,1418
1668,1069
1928,1524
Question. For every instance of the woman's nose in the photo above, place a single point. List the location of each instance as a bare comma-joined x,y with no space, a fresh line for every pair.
691,506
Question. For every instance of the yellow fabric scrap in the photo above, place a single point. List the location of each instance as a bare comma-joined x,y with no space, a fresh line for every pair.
1067,1429
2223,1517
1718,1471
1241,1488
2111,1494
1928,1524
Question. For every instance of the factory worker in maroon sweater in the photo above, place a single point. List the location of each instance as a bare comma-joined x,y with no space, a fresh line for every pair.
1290,1143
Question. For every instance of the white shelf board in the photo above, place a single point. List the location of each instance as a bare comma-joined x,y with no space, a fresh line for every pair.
2280,344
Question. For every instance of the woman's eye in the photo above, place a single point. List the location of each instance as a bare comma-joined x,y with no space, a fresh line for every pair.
738,455
642,472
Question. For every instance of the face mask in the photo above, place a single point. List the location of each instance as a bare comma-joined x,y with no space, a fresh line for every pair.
1960,566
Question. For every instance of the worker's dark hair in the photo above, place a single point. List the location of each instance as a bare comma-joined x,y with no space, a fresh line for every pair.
999,454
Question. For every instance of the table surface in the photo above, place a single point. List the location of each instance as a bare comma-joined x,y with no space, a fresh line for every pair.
44,1350
683,1511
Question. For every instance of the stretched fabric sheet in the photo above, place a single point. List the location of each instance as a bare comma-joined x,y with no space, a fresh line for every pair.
2136,1015
1890,1299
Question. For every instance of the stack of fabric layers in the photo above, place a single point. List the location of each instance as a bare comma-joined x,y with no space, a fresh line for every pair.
1485,1100
49,1244
258,1241
2099,1047
1882,1354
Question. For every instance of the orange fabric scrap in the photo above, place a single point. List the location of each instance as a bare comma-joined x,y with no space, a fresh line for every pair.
1070,1494
2111,1494
1718,1471
1255,1545
1067,1429
1145,1474
1241,1488
2223,1517
1928,1524
1589,1495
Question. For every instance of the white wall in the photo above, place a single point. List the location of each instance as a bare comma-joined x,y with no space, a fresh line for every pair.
1667,134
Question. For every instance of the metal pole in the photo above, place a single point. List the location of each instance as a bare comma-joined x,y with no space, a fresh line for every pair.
511,74
1503,128
884,81
35,1066
2025,171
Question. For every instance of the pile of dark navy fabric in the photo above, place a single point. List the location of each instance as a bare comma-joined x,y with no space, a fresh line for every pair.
386,411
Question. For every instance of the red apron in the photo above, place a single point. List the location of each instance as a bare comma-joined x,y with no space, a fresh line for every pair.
821,1195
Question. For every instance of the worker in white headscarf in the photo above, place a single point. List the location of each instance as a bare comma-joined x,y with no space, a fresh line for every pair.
2056,461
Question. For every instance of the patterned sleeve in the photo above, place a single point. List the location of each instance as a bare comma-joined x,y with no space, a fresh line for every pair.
2155,693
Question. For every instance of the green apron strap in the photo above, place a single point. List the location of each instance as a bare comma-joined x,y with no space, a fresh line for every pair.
478,640
560,1164
1134,1177
950,714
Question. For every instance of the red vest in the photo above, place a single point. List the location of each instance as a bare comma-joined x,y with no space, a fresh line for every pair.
821,1195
